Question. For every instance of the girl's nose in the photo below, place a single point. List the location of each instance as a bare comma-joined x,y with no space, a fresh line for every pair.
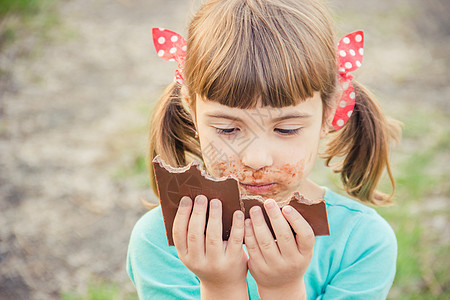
257,155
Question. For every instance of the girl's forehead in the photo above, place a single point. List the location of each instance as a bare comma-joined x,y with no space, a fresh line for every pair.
307,108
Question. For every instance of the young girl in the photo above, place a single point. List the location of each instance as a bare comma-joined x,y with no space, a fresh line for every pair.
260,84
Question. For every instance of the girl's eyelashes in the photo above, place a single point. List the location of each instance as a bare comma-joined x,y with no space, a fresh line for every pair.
226,131
281,131
288,131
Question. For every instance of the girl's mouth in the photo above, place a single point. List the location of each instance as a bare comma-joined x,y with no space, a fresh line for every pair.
259,188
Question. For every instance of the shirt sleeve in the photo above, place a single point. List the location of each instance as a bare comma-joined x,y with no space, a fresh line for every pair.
154,267
367,267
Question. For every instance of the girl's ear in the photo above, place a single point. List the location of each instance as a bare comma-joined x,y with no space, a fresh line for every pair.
326,125
327,122
329,112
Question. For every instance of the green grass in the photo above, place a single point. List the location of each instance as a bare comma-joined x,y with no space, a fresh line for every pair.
101,291
23,7
135,170
423,260
20,18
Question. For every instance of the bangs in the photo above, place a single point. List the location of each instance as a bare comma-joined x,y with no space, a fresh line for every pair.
243,52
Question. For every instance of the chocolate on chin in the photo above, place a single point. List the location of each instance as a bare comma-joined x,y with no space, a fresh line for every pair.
192,180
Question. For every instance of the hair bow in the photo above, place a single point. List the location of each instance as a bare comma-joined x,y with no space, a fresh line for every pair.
350,52
171,46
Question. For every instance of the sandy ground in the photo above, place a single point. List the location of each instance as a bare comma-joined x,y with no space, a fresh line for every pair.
67,123
73,117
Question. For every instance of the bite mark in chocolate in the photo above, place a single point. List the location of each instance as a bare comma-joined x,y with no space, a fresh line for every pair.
192,180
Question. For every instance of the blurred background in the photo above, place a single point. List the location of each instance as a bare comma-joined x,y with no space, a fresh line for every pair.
78,80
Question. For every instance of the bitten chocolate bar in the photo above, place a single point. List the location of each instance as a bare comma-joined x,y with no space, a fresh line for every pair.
192,180
315,213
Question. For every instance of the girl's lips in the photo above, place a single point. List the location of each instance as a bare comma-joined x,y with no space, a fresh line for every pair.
259,188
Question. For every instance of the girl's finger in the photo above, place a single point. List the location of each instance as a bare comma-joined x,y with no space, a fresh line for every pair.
180,225
305,235
251,244
214,240
264,238
285,238
236,238
196,228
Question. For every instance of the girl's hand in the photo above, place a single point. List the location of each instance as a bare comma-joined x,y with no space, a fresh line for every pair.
279,266
220,265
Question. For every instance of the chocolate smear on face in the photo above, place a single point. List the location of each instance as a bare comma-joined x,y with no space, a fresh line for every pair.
192,180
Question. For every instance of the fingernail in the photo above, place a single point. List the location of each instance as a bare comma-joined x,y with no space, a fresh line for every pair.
214,203
270,204
239,215
200,199
287,209
185,201
248,223
255,211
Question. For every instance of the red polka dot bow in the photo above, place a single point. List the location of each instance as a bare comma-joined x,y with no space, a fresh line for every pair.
171,46
350,52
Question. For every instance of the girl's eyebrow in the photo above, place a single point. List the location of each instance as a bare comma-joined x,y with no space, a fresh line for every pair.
220,115
296,115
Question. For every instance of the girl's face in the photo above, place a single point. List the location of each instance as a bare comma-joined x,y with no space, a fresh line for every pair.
271,151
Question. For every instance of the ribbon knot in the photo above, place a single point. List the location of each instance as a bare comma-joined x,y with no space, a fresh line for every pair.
346,76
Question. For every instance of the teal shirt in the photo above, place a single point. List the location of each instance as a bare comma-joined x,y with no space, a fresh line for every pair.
357,260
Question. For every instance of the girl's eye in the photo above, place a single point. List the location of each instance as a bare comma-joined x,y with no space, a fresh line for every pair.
226,131
287,131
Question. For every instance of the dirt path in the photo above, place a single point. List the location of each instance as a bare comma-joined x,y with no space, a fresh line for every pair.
72,119
69,118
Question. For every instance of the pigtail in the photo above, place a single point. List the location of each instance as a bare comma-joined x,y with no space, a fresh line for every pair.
172,132
364,142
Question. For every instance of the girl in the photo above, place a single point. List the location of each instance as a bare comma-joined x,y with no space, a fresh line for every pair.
260,84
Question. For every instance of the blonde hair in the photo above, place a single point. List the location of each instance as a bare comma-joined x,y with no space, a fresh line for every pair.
279,51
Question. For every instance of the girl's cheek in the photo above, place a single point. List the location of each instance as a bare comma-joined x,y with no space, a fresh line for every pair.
220,165
232,167
214,156
292,173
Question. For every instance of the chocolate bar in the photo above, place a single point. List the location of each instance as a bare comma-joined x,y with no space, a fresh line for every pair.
315,213
192,180
174,183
